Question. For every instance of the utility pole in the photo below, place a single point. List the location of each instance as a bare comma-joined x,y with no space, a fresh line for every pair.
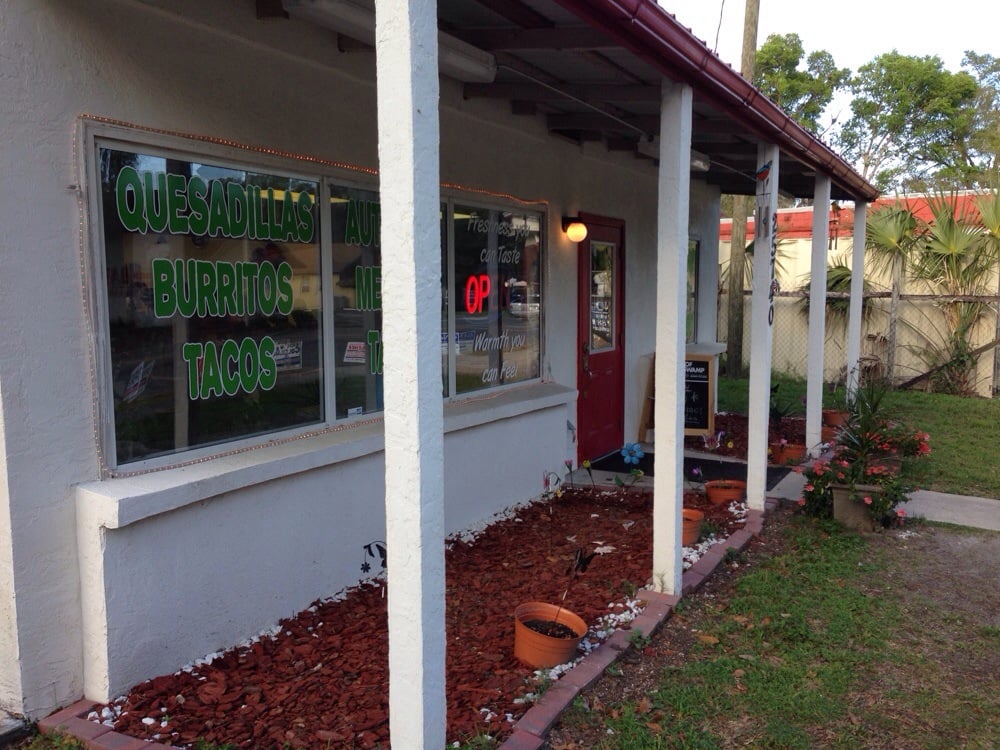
737,246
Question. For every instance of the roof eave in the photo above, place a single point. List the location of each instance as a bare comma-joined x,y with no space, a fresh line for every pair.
655,35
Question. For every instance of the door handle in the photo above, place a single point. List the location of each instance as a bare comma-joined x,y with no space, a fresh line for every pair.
585,358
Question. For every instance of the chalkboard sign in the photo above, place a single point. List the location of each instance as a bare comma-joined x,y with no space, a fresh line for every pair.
699,394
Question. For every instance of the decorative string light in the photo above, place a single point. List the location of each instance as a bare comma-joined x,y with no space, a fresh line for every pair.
493,194
105,469
296,156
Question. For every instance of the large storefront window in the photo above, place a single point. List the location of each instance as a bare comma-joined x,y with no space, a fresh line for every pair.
357,300
496,297
213,302
217,281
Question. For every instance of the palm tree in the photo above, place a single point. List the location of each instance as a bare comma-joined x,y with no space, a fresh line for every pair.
838,282
891,235
989,215
956,258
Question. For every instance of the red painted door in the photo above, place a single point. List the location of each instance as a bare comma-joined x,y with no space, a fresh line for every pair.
600,339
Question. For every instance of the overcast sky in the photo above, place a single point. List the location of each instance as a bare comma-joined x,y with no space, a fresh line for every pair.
853,31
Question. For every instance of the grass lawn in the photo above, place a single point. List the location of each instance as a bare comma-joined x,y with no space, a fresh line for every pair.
964,432
829,640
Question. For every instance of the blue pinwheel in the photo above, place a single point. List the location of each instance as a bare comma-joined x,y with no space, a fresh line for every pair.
632,453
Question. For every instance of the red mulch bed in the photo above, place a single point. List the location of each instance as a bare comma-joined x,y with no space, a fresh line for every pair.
322,681
734,428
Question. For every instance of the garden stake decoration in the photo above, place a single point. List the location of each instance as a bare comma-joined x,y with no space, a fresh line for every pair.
633,453
370,550
712,443
695,478
633,476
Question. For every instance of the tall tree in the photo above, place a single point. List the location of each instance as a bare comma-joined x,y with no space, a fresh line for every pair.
908,115
737,244
803,92
980,154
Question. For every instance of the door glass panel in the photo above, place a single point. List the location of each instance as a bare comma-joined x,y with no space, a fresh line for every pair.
602,291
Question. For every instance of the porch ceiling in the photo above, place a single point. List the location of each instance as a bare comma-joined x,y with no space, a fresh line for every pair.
592,70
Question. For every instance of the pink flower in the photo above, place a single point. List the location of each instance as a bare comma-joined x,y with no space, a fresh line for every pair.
868,499
802,501
808,488
901,512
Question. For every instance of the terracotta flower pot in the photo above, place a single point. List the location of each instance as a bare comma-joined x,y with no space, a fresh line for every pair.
725,490
787,453
538,649
835,417
691,528
777,452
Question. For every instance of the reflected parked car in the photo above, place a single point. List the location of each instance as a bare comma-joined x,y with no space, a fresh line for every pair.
524,302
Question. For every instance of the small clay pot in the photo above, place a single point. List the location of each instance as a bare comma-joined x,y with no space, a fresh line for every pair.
788,453
538,649
835,417
725,490
691,526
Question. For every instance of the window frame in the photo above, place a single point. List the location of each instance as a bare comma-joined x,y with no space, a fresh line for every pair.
93,135
448,201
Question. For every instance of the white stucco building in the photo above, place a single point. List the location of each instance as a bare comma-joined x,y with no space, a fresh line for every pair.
216,213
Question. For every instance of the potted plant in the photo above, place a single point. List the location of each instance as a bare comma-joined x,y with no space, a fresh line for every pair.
784,450
546,635
869,506
839,405
862,484
861,496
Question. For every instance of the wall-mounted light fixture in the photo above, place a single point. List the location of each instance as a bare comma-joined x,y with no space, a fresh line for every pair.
575,229
699,162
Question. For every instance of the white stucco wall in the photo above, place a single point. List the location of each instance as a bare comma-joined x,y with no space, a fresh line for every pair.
135,577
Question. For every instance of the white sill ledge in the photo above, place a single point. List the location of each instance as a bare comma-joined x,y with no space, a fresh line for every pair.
120,501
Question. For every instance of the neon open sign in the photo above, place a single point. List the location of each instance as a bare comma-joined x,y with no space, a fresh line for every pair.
477,290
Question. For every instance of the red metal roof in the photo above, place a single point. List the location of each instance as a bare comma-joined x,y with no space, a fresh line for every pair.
796,223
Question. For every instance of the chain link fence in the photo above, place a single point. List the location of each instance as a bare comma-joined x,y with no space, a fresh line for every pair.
909,339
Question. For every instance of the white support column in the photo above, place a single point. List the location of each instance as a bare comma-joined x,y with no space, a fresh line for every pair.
673,200
408,133
857,296
765,245
817,312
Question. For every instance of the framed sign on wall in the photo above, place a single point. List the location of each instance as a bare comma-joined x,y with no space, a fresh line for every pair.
699,394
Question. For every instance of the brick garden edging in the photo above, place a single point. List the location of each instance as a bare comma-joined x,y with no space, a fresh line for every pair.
73,721
532,728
